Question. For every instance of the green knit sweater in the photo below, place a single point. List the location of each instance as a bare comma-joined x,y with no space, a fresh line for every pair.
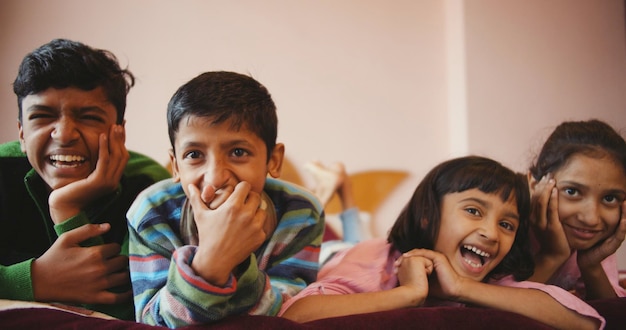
27,231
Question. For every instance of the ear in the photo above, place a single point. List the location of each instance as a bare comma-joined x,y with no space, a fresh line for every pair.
275,163
174,166
20,130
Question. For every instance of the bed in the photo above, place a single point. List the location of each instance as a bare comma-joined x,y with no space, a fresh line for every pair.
39,316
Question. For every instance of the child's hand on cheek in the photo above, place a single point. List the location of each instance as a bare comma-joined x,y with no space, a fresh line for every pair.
228,234
546,223
595,255
113,156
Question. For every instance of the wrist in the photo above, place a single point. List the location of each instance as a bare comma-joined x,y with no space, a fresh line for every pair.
411,297
216,275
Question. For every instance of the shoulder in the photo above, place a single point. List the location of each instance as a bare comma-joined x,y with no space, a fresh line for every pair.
11,149
142,165
291,195
163,199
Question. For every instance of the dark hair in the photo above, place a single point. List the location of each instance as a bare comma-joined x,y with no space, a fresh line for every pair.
63,63
222,96
458,175
592,138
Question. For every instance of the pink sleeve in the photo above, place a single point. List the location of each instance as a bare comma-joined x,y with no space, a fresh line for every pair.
366,267
610,268
565,298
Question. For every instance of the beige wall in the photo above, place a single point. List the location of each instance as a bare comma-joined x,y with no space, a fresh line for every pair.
400,84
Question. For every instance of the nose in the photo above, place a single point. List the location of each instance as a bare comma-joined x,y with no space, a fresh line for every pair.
589,215
64,131
489,230
217,173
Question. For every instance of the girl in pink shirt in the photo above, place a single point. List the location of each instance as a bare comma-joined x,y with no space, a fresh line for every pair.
461,239
578,183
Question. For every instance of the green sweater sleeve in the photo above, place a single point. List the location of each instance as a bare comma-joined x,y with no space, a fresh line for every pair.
15,281
74,222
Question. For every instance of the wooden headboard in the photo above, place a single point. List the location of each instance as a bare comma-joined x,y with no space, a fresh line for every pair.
370,187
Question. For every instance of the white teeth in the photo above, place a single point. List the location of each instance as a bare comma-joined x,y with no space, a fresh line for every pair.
477,251
67,158
473,264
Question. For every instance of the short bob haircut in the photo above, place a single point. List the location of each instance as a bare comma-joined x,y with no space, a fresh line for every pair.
458,175
222,96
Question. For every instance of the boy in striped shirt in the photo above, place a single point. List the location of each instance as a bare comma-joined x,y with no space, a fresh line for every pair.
221,238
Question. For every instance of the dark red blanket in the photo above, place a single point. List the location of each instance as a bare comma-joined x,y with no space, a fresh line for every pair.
614,311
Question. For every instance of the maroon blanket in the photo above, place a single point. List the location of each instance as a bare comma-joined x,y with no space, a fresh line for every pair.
614,311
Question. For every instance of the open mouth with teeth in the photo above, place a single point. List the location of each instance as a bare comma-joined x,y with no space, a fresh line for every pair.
474,256
66,160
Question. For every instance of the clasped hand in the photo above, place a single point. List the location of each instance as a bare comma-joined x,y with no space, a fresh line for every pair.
230,228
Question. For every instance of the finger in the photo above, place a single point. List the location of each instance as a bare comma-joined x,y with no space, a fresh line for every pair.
620,233
220,196
108,251
207,194
118,154
109,298
553,209
118,263
430,254
541,200
103,154
117,279
194,198
239,194
78,235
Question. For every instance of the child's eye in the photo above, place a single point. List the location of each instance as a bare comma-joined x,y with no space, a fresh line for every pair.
612,199
39,115
473,211
93,118
507,225
571,191
192,155
239,152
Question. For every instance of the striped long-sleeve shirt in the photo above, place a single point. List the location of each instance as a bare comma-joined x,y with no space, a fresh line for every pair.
168,292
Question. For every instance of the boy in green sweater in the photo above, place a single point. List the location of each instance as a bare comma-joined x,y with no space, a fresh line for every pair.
66,185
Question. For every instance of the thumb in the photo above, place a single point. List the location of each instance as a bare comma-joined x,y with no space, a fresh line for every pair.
195,198
83,233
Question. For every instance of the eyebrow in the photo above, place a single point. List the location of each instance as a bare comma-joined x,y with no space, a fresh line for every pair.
42,107
486,204
226,145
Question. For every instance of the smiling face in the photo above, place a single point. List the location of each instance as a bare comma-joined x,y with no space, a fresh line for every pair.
477,231
59,132
590,194
221,156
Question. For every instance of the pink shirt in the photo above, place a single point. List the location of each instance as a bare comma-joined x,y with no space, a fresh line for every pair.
368,267
569,278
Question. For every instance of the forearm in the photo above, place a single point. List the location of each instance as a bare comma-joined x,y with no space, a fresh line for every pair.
532,303
545,267
185,298
313,307
597,284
